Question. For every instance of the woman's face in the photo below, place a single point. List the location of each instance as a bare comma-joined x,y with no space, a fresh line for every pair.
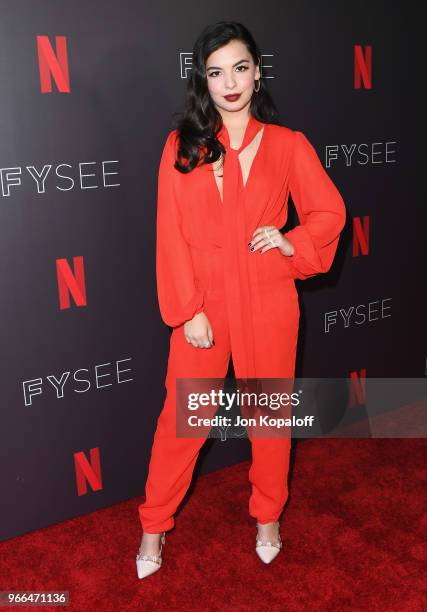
231,70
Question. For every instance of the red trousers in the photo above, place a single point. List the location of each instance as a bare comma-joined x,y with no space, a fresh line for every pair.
173,459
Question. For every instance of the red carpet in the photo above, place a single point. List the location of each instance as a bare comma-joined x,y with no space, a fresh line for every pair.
353,533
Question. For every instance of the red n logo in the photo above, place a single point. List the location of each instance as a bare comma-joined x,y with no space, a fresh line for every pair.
360,236
362,67
71,282
51,64
357,388
88,472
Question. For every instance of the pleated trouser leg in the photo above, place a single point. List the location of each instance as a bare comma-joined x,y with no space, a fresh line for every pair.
269,471
173,458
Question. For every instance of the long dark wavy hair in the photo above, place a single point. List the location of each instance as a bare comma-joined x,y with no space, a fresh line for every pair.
200,121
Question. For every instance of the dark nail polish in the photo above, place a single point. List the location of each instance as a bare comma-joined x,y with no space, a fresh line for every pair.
252,248
249,243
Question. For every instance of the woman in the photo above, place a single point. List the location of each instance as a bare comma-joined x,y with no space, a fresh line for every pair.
225,272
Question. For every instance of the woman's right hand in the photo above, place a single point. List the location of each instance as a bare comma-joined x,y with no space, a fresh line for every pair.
198,331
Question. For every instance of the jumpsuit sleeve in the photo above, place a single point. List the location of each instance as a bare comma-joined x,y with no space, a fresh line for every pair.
178,297
321,212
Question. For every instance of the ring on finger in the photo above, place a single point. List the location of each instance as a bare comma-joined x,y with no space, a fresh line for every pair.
269,237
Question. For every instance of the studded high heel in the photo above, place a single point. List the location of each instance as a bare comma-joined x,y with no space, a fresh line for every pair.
267,551
148,564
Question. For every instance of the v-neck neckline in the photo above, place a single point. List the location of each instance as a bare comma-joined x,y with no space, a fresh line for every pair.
252,128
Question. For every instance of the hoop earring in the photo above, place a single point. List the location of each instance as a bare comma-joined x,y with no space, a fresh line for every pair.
259,85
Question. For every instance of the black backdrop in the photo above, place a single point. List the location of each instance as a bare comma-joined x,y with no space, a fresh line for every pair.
127,64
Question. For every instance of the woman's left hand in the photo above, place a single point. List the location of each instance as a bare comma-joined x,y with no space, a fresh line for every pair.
276,239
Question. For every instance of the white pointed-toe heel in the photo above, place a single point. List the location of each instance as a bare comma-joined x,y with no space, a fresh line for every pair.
267,550
148,564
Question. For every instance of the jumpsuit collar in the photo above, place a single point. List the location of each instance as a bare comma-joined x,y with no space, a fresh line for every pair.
252,128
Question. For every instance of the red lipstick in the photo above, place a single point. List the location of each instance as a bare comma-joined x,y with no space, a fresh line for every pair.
232,98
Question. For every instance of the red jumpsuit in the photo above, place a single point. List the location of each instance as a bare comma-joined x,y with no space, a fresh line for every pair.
203,262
